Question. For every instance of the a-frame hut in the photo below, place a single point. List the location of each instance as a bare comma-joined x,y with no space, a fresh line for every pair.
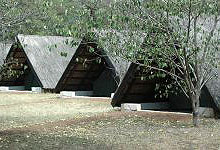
133,89
92,72
44,60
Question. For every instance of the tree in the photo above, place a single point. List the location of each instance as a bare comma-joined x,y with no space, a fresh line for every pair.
17,16
7,70
180,37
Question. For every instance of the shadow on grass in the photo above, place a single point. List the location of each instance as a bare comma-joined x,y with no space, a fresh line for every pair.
27,140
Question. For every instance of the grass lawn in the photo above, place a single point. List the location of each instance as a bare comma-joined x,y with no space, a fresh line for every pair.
45,121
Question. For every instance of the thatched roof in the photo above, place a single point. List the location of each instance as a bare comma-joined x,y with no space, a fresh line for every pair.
119,60
119,65
44,54
4,49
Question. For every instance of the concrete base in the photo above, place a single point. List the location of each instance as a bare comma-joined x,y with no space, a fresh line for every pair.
167,112
4,88
37,90
8,88
206,112
130,107
112,95
76,93
155,106
145,106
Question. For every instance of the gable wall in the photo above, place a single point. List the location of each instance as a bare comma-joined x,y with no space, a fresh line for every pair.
141,91
105,84
88,76
27,79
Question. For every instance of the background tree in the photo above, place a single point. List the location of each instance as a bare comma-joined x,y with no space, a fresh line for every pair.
18,16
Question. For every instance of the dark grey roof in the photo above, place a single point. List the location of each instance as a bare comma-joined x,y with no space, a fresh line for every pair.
44,54
120,65
204,24
119,61
4,49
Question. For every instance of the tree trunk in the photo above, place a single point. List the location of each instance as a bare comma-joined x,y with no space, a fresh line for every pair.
195,108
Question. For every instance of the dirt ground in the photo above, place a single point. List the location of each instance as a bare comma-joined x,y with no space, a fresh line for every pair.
45,121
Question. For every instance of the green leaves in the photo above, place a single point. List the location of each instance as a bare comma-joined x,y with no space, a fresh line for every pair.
11,69
64,54
91,49
99,60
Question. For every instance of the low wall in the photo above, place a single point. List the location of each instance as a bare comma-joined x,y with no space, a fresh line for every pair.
130,107
37,90
112,95
75,93
155,106
206,112
8,88
145,106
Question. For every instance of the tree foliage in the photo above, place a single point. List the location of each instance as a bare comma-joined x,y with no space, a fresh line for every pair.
178,38
18,16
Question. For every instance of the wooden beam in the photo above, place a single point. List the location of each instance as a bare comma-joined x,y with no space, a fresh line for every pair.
78,81
78,87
